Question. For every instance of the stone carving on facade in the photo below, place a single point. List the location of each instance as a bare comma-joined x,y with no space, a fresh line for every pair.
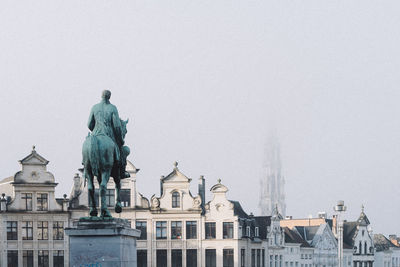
197,202
155,202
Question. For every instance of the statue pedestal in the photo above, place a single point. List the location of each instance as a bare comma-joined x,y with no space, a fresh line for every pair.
102,242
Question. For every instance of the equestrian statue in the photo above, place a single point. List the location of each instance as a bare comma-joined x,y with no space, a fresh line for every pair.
104,153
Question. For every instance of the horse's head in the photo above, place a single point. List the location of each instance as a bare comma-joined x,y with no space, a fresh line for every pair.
124,131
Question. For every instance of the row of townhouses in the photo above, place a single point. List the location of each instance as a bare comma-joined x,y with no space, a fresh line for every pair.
178,228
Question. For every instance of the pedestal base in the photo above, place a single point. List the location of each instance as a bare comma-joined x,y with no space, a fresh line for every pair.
106,243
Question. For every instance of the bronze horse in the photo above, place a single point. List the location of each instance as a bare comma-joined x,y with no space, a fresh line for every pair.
99,159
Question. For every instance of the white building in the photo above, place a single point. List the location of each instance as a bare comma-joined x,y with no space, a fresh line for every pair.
182,229
32,220
357,237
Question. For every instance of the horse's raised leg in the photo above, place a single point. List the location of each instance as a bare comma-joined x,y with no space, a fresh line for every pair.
89,177
105,176
118,206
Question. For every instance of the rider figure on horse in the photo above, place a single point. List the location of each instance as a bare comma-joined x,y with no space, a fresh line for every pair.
104,120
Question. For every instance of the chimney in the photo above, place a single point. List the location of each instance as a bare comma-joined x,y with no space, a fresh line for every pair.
3,204
65,203
77,183
202,191
334,225
161,185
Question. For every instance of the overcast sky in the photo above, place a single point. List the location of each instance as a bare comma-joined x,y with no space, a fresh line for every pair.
203,83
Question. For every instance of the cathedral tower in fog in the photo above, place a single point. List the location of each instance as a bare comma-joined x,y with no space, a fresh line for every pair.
272,182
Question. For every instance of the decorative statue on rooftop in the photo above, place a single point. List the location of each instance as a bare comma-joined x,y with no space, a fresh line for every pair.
104,153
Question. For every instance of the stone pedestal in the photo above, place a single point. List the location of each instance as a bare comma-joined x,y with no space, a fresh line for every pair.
102,243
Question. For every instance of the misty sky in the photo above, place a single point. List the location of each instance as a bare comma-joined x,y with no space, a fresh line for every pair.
203,83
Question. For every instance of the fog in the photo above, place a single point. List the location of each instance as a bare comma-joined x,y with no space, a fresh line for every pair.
203,83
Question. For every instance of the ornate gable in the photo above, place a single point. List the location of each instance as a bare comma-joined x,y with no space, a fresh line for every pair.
34,159
33,170
175,176
175,194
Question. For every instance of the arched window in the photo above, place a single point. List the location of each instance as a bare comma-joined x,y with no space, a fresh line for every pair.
256,232
175,200
360,247
365,247
248,231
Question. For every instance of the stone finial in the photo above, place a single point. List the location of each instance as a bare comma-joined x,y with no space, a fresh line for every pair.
33,148
175,165
219,181
362,208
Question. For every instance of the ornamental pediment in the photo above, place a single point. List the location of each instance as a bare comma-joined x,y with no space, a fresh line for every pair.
34,159
175,176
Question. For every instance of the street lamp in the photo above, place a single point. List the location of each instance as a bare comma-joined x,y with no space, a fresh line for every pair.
340,208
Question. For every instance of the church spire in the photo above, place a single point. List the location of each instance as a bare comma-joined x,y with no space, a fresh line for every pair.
272,191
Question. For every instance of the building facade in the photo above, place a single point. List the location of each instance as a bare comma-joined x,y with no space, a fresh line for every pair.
178,228
32,220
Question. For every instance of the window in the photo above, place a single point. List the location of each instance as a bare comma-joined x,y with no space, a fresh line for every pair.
161,230
228,230
43,258
27,230
12,230
161,258
12,258
248,231
259,258
27,200
211,258
263,259
176,257
253,258
43,230
191,230
41,202
58,230
191,257
176,200
176,231
110,197
125,195
242,257
27,258
58,258
142,226
96,198
365,248
256,232
210,230
141,258
228,258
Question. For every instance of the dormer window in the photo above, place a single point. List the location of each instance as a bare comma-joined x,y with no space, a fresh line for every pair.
256,232
248,231
176,200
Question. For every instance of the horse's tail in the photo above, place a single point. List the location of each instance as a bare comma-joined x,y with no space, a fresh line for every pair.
94,155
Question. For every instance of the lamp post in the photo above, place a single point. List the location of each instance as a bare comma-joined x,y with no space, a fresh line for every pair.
340,208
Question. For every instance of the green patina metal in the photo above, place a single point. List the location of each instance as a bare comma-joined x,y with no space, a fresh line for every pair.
104,154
